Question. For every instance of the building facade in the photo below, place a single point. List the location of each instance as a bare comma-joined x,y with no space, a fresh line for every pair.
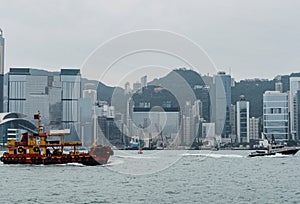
222,104
54,94
136,87
209,135
144,81
70,94
294,87
297,115
2,45
29,92
275,115
242,120
254,129
233,123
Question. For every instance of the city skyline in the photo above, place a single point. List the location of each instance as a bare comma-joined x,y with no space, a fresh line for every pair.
257,38
135,101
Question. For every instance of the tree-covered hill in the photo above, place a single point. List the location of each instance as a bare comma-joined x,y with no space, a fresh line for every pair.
253,91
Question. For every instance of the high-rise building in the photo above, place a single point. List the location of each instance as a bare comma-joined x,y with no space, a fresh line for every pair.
54,94
1,71
197,109
233,123
127,89
137,87
297,114
275,115
209,136
186,128
254,129
90,91
71,92
198,119
144,81
242,120
110,127
85,118
222,104
279,86
208,130
187,125
30,91
202,94
294,87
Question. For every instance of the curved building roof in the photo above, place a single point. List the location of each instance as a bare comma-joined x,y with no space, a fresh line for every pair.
16,120
5,116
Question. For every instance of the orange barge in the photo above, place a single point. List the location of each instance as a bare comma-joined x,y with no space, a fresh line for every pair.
45,148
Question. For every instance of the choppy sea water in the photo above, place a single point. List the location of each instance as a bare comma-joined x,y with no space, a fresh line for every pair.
158,177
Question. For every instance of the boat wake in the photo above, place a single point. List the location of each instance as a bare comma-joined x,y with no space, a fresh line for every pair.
278,155
71,164
134,157
114,163
215,155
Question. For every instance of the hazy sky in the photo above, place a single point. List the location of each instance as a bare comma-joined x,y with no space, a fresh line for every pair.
255,38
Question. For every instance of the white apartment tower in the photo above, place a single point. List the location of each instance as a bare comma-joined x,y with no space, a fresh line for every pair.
254,129
242,120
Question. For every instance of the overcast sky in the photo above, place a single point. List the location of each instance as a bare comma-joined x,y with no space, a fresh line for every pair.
253,39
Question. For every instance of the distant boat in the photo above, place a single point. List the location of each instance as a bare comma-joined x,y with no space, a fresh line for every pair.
216,148
135,143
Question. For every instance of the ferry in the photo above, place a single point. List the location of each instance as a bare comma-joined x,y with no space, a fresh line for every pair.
275,149
51,148
272,148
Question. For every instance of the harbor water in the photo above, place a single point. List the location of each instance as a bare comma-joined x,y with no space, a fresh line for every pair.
166,176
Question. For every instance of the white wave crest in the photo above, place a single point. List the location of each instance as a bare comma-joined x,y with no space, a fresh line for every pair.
215,155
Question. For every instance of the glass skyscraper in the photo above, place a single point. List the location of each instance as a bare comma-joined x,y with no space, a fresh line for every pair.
71,92
1,70
275,115
54,94
17,90
30,91
222,105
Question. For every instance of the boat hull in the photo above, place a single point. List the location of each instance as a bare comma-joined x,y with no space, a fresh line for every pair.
292,151
260,154
97,156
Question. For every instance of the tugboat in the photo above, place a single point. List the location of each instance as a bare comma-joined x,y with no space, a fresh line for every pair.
46,148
